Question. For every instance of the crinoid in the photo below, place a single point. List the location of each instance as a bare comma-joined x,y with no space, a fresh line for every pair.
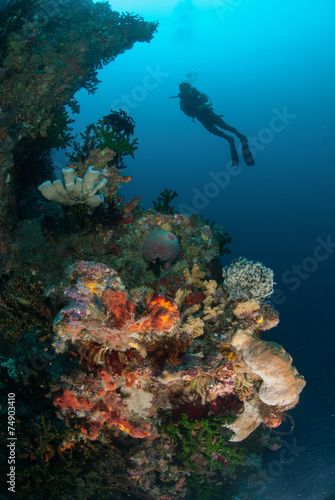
226,405
245,378
165,351
199,385
93,355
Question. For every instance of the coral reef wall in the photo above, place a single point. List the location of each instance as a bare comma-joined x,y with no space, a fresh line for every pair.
137,363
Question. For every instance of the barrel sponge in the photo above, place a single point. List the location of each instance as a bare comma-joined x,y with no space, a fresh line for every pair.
160,245
281,382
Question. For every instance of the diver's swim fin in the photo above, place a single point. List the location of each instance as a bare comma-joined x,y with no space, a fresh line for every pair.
247,154
234,156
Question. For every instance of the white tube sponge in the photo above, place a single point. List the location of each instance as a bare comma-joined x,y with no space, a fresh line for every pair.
48,190
75,190
72,185
60,192
281,382
89,181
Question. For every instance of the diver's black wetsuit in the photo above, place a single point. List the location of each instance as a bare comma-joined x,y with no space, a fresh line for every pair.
197,105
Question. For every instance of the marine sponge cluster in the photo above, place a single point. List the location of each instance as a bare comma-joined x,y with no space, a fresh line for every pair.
148,360
75,190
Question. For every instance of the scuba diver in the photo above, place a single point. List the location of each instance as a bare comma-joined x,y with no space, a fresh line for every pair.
121,122
198,105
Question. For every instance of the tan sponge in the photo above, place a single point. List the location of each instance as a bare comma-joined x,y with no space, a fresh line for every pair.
281,382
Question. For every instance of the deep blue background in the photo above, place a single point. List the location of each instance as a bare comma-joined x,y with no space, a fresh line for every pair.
251,57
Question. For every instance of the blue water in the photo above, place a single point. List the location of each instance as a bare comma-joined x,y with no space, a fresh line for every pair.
269,68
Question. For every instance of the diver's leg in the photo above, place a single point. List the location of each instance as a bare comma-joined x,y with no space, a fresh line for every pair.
222,124
212,128
247,154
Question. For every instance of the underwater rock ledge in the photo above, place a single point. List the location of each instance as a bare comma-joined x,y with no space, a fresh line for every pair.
48,51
